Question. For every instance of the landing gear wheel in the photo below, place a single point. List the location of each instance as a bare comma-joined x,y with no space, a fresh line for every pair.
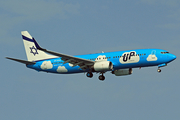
159,70
89,74
101,77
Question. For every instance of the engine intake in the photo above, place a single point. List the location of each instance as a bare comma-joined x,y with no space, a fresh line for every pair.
103,66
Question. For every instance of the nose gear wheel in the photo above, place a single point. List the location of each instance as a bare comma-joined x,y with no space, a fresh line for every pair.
159,70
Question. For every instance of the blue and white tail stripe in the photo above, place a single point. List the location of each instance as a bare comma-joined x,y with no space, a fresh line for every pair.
33,54
28,39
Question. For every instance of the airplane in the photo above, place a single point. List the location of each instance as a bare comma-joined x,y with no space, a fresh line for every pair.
119,63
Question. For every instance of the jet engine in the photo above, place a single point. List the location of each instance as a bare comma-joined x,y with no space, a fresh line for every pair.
121,72
103,66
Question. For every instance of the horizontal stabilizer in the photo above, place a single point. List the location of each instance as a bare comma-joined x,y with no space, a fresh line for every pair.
22,61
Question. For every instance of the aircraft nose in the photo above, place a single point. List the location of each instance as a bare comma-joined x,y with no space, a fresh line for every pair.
173,57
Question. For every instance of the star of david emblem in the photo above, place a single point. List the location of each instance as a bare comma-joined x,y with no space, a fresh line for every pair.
33,50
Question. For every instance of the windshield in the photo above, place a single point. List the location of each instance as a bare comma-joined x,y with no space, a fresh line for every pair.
164,52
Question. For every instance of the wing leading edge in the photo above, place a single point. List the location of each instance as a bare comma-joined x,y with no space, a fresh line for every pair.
83,63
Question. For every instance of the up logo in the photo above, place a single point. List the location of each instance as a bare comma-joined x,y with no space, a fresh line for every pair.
129,57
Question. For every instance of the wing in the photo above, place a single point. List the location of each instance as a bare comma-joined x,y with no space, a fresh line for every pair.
83,63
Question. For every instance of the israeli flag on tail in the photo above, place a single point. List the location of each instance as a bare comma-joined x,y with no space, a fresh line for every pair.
33,54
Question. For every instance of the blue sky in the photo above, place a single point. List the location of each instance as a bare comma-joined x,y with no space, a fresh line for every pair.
82,27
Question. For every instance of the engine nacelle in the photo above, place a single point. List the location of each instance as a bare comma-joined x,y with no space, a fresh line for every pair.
121,72
103,66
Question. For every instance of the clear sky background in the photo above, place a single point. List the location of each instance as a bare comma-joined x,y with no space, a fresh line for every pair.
82,27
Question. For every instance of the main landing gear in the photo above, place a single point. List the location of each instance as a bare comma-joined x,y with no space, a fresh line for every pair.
101,77
90,75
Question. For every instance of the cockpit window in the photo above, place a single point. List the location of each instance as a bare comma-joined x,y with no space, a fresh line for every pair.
164,52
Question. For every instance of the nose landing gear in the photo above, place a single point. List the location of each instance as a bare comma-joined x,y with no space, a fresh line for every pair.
161,65
159,70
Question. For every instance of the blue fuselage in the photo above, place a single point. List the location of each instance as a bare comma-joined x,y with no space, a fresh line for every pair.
119,59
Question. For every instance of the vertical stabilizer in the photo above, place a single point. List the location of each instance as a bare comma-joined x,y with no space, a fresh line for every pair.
33,54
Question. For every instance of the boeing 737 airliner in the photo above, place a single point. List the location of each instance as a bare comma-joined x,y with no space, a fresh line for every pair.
119,63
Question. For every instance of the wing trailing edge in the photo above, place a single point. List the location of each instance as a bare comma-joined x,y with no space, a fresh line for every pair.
83,63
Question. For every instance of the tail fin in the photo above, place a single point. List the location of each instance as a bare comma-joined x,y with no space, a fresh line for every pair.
33,54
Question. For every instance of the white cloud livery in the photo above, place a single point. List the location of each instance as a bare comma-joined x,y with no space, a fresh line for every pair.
70,64
62,69
46,65
125,58
151,57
